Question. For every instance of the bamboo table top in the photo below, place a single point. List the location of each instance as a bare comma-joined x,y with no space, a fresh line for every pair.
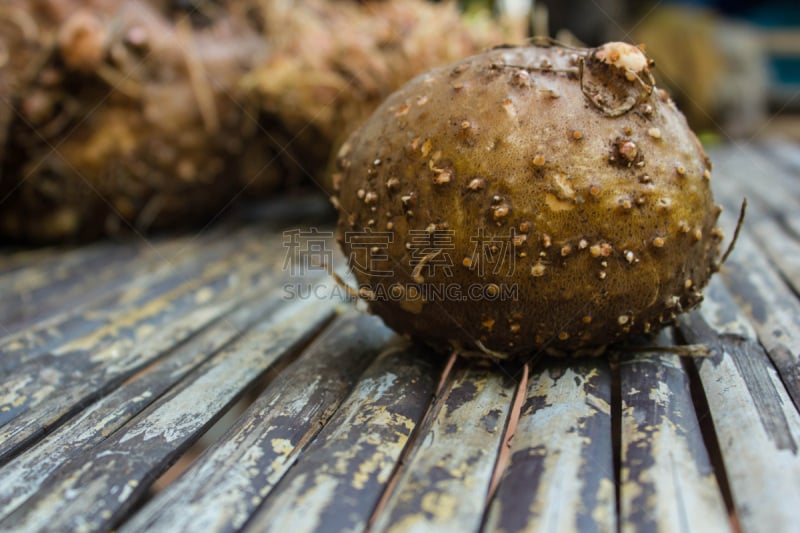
117,358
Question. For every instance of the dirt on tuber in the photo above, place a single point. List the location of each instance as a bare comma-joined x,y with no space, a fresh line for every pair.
560,182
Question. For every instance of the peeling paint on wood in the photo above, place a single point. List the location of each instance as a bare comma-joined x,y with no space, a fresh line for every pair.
39,294
667,482
756,424
561,476
46,388
444,482
771,307
342,474
25,474
224,487
169,290
27,291
90,494
761,266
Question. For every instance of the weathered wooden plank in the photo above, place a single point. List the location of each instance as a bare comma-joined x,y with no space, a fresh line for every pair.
225,486
772,219
757,427
667,482
42,393
735,173
65,266
36,294
54,279
14,258
766,258
771,307
271,216
34,267
92,492
561,475
338,481
444,482
791,221
214,263
171,291
784,152
46,390
785,179
781,244
25,474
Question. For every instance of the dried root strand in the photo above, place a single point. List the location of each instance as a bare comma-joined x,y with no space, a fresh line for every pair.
682,350
491,353
416,274
361,294
739,224
448,367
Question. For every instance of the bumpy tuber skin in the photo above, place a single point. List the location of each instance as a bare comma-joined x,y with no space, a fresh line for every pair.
558,177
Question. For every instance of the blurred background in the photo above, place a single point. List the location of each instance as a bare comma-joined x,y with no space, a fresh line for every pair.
733,66
132,116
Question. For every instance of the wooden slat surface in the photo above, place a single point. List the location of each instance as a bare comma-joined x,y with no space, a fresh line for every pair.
116,357
33,294
666,479
115,344
763,271
756,423
444,483
226,485
120,467
561,474
340,479
784,153
25,474
144,298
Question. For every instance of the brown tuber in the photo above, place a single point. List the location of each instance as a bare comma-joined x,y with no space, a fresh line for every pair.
131,115
576,200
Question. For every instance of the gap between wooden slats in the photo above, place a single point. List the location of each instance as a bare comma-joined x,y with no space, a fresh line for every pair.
756,424
561,474
92,492
341,476
224,487
444,481
55,385
667,481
